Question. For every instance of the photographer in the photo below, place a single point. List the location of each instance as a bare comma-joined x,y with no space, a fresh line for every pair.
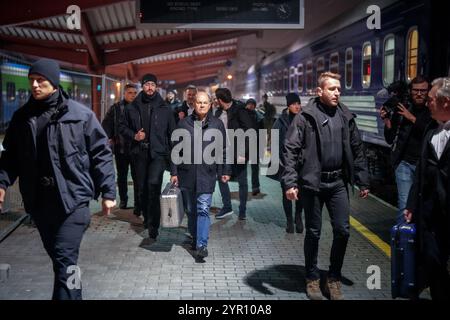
405,118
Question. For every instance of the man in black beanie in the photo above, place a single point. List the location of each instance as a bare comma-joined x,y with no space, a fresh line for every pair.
148,124
59,151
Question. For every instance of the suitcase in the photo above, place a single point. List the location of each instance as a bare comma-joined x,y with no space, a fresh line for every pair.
172,210
403,261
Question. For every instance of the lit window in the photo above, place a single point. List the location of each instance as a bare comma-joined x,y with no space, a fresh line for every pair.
320,67
413,54
285,81
367,65
300,78
334,62
292,76
309,77
389,60
349,68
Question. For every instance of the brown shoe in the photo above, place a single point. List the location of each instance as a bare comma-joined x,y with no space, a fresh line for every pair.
333,289
313,290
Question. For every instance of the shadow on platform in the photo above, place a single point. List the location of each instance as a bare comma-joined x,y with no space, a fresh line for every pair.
284,277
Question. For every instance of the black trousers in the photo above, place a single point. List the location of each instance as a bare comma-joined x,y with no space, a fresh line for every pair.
287,207
255,176
123,162
61,235
335,196
435,256
149,176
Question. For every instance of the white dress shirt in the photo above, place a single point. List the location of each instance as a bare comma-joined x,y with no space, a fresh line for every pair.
440,138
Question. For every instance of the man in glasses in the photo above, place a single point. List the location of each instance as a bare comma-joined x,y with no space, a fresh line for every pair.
404,131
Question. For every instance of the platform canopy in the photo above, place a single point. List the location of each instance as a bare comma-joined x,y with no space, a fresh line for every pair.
109,41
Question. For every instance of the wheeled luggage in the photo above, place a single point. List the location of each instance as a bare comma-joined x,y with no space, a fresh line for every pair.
403,261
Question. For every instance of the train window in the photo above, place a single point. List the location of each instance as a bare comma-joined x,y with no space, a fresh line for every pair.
300,78
412,52
389,60
285,80
367,65
280,82
320,67
10,91
334,62
349,68
292,76
309,77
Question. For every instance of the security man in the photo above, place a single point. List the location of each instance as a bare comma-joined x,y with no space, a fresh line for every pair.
148,124
323,152
121,147
59,151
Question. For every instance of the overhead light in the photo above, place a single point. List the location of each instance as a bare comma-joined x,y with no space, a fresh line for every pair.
229,77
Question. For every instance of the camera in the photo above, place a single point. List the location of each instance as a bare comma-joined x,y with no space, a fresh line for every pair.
398,93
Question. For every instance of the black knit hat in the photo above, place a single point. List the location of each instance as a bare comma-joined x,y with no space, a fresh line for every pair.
47,68
149,77
292,98
251,101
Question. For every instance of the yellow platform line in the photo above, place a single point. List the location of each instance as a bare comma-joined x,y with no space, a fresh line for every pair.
372,237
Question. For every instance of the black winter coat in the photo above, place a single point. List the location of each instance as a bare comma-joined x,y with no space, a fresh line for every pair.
162,124
238,118
429,197
201,178
404,133
82,161
282,125
302,158
111,125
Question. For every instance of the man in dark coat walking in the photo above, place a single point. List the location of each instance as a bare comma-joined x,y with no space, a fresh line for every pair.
197,176
60,153
234,116
120,146
323,152
429,199
148,124
282,124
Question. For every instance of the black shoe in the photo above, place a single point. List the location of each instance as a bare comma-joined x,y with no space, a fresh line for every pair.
123,205
153,233
202,252
290,227
299,227
256,192
137,212
242,216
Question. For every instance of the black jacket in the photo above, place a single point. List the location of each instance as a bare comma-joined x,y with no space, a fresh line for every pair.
238,118
282,125
202,178
181,107
430,193
429,200
111,125
302,158
82,161
405,131
162,124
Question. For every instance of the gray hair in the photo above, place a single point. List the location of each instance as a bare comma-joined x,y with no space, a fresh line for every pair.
205,93
443,85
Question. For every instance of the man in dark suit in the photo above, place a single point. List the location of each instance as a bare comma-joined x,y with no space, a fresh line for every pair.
234,116
429,201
